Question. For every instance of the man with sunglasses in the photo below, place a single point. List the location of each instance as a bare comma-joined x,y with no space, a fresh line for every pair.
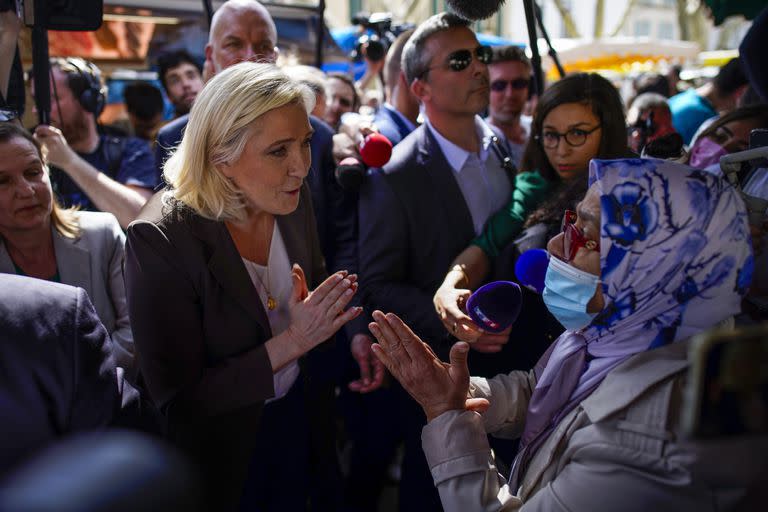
422,209
510,76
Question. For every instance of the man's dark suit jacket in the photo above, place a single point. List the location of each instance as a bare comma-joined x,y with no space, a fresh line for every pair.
57,374
199,330
390,125
335,211
413,221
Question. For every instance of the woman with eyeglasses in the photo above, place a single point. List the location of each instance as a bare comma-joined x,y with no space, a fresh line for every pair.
39,238
577,119
643,265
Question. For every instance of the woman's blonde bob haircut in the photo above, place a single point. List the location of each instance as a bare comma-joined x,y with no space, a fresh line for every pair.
221,121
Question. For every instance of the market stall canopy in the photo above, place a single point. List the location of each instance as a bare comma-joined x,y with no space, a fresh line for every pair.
617,54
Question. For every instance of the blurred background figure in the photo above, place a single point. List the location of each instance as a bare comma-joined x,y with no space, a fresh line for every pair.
342,97
649,119
694,106
727,134
510,78
182,79
144,103
315,80
398,115
91,170
113,471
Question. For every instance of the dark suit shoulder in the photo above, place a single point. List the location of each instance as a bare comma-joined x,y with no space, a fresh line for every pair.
170,134
408,171
323,130
24,299
406,154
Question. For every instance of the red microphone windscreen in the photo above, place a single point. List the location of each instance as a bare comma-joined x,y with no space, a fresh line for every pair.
375,150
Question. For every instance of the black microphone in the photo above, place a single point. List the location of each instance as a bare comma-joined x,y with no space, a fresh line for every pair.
350,173
375,151
475,9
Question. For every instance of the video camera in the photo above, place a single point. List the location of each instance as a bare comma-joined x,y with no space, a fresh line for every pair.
378,36
59,14
41,16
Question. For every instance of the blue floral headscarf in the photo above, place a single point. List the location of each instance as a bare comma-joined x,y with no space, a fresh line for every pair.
675,254
675,259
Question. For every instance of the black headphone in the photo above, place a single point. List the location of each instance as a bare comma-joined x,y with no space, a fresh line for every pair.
93,98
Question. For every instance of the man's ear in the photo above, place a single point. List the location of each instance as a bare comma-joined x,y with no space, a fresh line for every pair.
209,52
421,90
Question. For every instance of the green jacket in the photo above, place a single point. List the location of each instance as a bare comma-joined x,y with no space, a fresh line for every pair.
530,190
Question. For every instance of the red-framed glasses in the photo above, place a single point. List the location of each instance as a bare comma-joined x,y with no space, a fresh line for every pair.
573,237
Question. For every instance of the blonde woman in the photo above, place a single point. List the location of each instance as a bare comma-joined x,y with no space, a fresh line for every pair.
40,239
218,271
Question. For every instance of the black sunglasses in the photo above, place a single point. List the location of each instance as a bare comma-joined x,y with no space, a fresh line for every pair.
461,59
518,84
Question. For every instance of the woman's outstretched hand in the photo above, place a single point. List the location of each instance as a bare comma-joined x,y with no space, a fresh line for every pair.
437,386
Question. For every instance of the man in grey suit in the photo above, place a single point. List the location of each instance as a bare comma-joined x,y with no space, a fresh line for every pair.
443,182
57,374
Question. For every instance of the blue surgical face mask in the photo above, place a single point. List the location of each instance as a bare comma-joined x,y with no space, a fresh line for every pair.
567,291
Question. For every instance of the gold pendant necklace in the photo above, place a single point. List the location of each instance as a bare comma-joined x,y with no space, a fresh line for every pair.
271,301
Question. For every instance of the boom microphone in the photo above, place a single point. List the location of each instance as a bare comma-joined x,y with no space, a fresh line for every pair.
495,306
475,9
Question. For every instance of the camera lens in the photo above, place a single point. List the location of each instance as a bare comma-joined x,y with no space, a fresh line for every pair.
375,50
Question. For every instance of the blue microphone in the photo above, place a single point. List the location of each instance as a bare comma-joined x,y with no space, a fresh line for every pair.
495,306
531,268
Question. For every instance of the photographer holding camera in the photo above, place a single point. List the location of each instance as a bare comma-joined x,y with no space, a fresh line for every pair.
11,91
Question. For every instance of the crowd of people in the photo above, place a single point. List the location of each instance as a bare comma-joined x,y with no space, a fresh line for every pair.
212,283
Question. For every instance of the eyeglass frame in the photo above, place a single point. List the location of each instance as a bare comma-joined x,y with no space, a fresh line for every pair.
573,237
475,53
518,84
7,115
587,133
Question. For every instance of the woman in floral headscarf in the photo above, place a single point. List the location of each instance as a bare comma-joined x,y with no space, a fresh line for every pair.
655,253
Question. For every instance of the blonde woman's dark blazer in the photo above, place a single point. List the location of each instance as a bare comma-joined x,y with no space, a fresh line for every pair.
199,329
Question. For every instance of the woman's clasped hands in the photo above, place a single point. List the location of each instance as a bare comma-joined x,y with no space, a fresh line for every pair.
317,315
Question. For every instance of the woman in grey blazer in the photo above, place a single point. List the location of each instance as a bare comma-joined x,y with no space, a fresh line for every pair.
40,239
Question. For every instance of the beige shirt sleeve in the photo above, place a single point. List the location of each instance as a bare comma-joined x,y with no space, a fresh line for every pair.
509,396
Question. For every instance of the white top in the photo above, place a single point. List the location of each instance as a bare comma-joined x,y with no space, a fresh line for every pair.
277,277
482,180
516,149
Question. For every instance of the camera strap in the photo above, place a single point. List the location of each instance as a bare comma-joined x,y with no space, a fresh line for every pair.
505,159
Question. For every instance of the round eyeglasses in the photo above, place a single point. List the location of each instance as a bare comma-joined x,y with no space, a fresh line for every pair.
574,137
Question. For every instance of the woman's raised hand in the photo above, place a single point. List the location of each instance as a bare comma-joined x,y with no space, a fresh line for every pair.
317,315
448,301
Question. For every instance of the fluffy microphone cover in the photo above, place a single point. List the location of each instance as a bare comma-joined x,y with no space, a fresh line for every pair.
475,9
495,306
